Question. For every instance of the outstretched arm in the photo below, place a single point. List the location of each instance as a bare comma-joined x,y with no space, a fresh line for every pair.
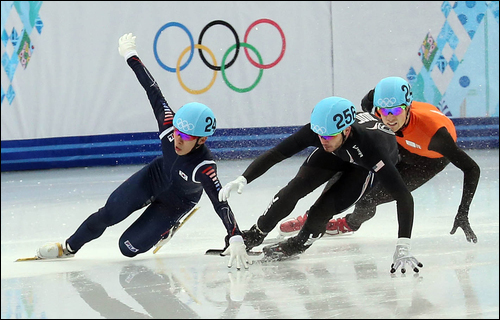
164,115
443,143
291,145
235,246
394,184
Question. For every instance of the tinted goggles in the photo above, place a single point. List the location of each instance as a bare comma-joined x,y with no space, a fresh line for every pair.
184,136
330,137
396,111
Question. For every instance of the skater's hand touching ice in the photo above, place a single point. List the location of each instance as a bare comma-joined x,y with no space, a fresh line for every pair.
402,257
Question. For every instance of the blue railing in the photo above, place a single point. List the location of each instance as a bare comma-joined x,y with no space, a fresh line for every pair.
138,148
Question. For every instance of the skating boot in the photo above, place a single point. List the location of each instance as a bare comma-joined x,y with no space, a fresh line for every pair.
292,227
338,226
285,249
253,237
53,250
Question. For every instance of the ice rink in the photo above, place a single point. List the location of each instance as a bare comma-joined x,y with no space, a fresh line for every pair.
338,277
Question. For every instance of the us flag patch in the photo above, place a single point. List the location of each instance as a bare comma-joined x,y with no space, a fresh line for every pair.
378,166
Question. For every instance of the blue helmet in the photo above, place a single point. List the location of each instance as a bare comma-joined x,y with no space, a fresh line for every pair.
332,115
392,92
195,119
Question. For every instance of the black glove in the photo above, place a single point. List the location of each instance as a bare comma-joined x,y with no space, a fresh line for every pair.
226,244
367,102
462,221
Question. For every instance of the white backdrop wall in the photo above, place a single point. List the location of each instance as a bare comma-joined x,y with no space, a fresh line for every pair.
77,84
62,75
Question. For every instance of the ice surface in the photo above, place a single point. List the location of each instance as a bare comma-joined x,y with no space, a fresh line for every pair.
338,277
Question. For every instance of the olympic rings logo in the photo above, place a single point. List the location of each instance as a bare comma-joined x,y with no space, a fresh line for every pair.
223,66
184,125
319,130
387,102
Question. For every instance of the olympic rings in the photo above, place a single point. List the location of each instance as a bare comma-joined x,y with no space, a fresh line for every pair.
200,47
245,45
223,65
155,44
283,44
235,37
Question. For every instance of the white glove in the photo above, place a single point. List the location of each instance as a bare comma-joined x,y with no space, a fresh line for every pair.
126,46
239,183
237,251
402,257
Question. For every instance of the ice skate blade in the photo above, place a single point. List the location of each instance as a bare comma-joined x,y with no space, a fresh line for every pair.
336,235
28,259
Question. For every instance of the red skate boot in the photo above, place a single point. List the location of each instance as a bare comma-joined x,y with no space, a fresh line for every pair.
292,227
338,226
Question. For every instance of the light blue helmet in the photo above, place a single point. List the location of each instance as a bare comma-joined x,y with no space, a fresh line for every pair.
332,115
392,92
195,119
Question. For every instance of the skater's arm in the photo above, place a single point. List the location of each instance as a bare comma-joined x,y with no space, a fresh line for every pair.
443,143
392,181
234,244
207,176
290,146
163,113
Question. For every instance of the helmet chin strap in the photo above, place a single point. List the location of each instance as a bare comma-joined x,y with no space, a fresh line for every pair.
197,145
344,137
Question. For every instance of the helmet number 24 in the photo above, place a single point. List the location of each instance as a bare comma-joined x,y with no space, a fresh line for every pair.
211,124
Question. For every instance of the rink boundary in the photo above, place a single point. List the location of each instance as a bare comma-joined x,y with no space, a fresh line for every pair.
226,144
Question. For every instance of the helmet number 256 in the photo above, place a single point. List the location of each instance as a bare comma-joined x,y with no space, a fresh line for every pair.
344,119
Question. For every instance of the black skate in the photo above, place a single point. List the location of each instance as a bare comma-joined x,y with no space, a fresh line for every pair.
253,237
286,249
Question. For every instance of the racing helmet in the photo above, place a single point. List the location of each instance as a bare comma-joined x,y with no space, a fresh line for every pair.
392,92
332,115
195,119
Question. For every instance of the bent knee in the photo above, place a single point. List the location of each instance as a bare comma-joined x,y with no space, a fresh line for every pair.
128,249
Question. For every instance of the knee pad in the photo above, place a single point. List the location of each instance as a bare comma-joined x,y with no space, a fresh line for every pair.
127,249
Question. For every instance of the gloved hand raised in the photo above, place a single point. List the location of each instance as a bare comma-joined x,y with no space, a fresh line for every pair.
462,221
402,257
126,46
237,251
238,183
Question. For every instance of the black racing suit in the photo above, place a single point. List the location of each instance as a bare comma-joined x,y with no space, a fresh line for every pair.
170,186
367,157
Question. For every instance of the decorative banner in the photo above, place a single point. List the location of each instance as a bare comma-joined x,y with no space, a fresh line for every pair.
255,64
459,72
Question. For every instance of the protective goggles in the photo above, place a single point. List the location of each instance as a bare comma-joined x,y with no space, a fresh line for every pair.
396,111
330,137
185,136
